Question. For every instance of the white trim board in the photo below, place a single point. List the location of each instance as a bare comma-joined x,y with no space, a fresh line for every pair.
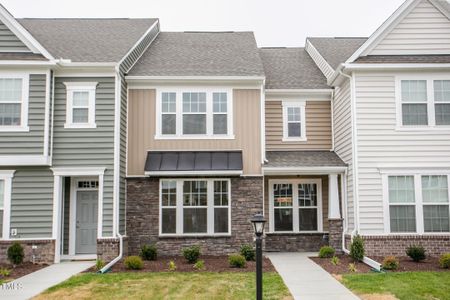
25,160
193,173
6,176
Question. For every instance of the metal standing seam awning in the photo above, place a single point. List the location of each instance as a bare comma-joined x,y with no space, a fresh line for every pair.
193,163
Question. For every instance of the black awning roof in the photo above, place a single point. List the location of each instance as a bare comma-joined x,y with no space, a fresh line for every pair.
193,162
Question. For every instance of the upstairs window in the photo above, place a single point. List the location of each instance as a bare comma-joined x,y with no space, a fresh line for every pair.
194,114
13,102
424,102
294,127
80,106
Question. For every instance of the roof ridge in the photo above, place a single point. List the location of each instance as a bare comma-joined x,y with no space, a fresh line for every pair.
47,19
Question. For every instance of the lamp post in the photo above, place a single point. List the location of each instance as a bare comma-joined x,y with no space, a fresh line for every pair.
258,222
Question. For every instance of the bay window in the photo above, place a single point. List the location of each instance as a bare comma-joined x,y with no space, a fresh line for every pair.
195,207
295,205
13,102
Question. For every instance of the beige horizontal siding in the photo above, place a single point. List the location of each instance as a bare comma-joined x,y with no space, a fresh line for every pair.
142,128
318,127
425,30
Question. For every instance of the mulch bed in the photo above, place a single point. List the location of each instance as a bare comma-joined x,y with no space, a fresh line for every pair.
342,267
21,270
212,264
408,265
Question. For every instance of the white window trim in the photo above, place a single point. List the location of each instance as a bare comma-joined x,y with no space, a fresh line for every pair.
429,78
23,127
209,113
420,230
296,104
295,206
72,87
179,207
7,176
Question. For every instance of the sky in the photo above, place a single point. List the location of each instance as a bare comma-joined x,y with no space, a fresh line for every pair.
276,23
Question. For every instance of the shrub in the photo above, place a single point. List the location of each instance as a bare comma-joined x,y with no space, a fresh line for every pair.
199,265
352,268
191,254
149,252
248,252
237,261
134,263
444,261
390,263
335,260
5,272
357,248
172,266
99,264
417,253
15,253
326,252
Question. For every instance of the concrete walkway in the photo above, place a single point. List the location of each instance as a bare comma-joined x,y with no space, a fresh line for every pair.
35,283
306,280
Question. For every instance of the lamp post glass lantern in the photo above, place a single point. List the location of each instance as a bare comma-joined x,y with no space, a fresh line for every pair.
258,222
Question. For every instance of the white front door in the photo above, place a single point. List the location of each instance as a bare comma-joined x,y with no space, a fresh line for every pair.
86,218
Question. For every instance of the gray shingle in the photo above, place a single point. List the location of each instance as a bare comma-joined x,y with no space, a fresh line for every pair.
201,54
286,159
88,40
406,59
291,68
21,56
337,50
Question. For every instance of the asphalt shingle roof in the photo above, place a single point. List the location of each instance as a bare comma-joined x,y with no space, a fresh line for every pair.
336,50
201,54
286,159
405,59
88,40
291,68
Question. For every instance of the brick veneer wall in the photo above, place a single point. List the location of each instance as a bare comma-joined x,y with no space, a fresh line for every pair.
295,242
43,254
109,248
143,218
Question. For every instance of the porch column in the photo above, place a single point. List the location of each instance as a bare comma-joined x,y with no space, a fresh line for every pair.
335,222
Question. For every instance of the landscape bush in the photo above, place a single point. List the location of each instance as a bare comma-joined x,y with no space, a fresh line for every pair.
444,261
390,263
134,263
191,254
237,261
149,252
416,253
248,252
15,253
357,250
326,252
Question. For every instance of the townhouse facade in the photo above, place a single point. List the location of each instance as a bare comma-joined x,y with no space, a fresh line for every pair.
114,134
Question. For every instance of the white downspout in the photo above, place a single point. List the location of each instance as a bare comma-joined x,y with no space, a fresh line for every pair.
115,260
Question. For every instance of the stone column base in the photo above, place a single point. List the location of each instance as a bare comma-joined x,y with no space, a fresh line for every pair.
336,231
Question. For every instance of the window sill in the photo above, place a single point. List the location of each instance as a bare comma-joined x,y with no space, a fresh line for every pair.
14,129
80,126
194,236
195,137
296,233
294,140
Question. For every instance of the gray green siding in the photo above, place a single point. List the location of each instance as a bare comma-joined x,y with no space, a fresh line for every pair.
32,142
9,42
88,147
32,202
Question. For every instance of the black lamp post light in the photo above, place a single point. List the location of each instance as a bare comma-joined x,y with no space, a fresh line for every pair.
258,222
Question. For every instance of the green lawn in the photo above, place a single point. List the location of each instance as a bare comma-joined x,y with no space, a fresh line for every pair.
167,286
404,286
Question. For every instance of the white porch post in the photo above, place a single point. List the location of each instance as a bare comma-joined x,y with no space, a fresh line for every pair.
56,232
333,197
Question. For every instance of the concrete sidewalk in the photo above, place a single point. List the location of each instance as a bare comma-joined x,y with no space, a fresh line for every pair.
35,283
306,280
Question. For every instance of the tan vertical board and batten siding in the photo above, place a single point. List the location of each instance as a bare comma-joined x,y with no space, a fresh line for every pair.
32,142
425,30
9,42
344,141
318,127
141,132
125,66
379,143
321,63
93,147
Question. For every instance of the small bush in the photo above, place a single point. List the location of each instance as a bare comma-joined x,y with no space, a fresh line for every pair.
326,252
15,253
335,260
5,272
444,261
134,263
237,261
248,252
357,248
390,263
352,268
99,264
191,254
199,265
172,266
417,253
149,252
